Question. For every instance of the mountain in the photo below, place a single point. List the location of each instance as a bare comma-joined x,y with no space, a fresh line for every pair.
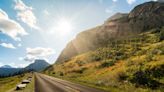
136,63
120,26
38,65
6,66
124,54
9,71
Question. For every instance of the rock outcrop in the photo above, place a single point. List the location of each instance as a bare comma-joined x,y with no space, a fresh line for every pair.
142,18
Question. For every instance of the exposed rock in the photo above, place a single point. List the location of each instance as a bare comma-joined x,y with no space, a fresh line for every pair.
142,18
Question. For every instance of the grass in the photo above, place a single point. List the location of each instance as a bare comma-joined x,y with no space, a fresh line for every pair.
9,84
136,64
29,88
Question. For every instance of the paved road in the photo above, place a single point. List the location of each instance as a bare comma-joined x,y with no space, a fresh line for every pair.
44,83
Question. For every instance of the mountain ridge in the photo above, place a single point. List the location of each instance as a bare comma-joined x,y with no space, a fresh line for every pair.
6,66
143,17
38,65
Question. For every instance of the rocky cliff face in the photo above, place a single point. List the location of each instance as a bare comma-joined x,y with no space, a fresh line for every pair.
143,17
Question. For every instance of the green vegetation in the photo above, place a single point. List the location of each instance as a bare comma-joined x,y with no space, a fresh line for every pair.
131,64
29,88
10,82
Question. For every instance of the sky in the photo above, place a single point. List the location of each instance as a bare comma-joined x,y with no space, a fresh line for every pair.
40,29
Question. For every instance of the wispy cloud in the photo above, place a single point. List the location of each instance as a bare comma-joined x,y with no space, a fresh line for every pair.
8,45
19,65
130,1
33,53
10,27
25,14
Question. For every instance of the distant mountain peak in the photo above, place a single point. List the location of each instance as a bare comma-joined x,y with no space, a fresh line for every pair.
6,66
38,65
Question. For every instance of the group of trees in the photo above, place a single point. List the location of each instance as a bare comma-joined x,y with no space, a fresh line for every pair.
11,74
21,71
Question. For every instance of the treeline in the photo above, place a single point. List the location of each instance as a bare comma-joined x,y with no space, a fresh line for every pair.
21,71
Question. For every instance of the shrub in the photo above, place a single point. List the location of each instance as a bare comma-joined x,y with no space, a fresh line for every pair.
157,30
149,57
141,79
122,76
156,70
160,49
61,73
80,63
107,63
53,73
161,35
95,57
81,70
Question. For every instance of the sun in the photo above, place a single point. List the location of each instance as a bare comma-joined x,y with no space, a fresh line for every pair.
64,26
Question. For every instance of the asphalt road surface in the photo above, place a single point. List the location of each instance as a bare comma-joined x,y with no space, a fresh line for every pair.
44,83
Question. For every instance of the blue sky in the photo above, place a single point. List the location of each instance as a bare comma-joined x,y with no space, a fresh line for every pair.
31,29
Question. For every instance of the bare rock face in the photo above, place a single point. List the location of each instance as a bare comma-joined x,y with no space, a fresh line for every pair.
147,16
147,10
142,18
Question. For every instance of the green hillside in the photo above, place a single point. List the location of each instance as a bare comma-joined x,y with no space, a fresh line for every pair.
123,65
9,83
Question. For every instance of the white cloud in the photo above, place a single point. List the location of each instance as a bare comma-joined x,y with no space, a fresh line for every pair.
25,14
131,1
18,65
39,51
3,14
10,27
22,65
29,58
8,45
33,53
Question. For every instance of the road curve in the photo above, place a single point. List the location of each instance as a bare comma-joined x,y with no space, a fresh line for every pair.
44,83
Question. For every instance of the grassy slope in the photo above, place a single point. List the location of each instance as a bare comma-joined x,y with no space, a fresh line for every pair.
133,64
7,84
29,88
